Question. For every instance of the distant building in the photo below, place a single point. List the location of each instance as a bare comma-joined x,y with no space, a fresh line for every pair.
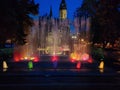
54,33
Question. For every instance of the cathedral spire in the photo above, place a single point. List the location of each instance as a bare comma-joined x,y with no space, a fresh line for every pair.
63,5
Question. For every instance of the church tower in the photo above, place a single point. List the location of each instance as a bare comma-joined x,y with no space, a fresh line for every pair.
63,10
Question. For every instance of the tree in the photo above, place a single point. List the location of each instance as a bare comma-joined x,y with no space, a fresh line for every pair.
105,19
86,10
15,19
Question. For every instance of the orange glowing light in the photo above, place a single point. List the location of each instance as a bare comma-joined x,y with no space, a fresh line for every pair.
32,58
101,66
21,58
73,56
25,58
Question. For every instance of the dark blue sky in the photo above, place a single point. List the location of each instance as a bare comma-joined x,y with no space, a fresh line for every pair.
44,7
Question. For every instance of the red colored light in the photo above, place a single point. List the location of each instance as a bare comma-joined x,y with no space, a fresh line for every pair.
36,59
78,65
72,60
16,59
85,57
90,60
54,58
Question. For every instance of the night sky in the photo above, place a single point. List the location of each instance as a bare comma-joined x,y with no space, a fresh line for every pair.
44,7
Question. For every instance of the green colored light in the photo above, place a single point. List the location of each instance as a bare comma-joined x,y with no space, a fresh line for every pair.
30,64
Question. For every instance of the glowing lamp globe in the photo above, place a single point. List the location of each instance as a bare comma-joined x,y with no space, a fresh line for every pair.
85,56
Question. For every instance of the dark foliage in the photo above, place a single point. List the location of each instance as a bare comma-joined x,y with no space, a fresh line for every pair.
15,19
105,18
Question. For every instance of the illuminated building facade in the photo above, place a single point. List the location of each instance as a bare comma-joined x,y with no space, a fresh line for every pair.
54,33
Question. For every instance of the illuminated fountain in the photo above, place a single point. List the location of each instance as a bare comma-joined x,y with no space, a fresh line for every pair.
49,36
81,51
55,35
27,51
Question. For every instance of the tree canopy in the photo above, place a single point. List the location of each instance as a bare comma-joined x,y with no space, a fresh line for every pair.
15,19
105,16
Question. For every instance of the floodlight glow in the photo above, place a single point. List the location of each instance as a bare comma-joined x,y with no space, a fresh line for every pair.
30,64
5,66
85,56
78,66
101,65
36,59
54,58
